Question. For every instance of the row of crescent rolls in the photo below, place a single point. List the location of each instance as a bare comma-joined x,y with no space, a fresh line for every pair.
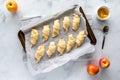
61,46
56,29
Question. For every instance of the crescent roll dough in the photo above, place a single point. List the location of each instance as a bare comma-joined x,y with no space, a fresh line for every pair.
70,43
33,36
39,53
61,46
51,50
75,22
46,32
66,23
56,28
80,38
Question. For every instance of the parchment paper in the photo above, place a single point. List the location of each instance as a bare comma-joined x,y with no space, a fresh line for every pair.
48,64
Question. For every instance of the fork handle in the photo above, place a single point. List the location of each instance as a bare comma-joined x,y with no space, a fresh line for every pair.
103,42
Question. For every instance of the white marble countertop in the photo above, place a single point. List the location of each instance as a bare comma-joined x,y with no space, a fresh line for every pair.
12,66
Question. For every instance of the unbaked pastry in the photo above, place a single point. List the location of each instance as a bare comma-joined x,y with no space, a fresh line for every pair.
33,37
56,28
70,43
39,53
61,46
66,23
75,22
51,50
80,38
46,32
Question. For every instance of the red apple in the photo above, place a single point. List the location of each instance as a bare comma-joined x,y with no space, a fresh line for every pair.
104,63
92,69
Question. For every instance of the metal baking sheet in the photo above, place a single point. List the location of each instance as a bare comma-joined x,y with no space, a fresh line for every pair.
47,64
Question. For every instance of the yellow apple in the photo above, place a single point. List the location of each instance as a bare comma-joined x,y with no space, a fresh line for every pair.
11,6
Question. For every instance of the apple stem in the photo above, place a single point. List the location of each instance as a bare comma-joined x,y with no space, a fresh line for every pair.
10,4
104,62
